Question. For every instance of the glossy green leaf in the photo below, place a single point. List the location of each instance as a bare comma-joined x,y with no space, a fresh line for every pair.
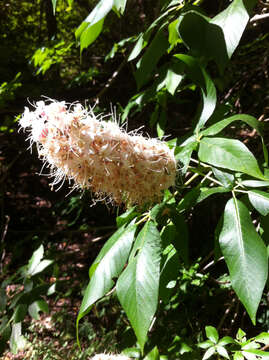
209,96
183,154
224,177
36,307
206,192
255,183
170,263
212,333
205,344
255,354
260,201
199,75
222,351
91,27
54,3
140,44
210,352
203,38
230,154
220,125
181,239
233,21
172,81
35,260
245,255
226,340
238,356
17,341
90,34
173,37
149,60
19,313
126,217
109,264
120,5
153,354
41,266
138,286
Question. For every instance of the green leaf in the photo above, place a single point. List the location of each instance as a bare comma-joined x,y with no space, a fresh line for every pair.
183,154
206,192
226,340
35,260
233,21
245,255
203,38
172,81
238,356
36,307
126,217
220,125
209,353
253,354
209,96
54,2
41,266
212,333
169,268
149,60
90,34
120,5
17,341
205,344
138,286
173,37
230,154
263,338
255,183
200,77
139,46
110,263
222,351
224,177
260,201
91,27
153,355
19,313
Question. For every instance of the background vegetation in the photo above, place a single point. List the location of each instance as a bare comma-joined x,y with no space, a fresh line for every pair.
49,240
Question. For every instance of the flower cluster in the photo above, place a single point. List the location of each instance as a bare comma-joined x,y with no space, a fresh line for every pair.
98,154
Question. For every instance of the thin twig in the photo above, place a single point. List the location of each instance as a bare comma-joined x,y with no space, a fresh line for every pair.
258,17
2,242
110,80
227,311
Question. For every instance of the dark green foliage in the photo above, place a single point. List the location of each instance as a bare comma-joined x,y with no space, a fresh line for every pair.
186,69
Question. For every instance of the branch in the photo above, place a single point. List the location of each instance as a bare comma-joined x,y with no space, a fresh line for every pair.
110,81
258,17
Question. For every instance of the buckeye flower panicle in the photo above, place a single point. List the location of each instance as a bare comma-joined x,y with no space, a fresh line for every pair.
99,155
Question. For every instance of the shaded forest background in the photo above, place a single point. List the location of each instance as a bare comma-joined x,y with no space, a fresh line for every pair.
39,57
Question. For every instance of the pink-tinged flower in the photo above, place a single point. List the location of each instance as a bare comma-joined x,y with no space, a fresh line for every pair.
99,155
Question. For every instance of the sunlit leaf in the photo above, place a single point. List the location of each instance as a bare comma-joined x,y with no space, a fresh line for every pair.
138,286
245,255
260,201
108,266
230,154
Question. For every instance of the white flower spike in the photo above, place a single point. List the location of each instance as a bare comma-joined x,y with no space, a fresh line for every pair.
98,154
